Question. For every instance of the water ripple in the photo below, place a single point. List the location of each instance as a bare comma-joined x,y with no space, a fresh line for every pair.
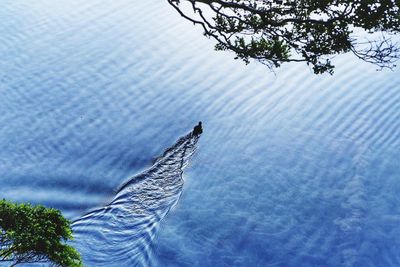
124,229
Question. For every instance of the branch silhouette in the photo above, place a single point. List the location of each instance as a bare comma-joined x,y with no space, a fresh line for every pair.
280,31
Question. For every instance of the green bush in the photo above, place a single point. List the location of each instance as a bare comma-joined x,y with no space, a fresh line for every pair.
35,234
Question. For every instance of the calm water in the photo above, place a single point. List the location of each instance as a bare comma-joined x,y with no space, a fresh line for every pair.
292,169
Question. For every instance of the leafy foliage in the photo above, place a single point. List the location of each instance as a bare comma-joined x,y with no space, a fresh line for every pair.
35,234
278,31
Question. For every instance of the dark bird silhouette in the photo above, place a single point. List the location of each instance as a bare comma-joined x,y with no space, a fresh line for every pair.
198,129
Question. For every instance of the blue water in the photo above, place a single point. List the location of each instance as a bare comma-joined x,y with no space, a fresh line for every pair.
292,169
128,224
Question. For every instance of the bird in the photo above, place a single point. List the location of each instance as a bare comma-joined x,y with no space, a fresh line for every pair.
198,129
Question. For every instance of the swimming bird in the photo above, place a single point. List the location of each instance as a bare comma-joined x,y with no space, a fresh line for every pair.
198,129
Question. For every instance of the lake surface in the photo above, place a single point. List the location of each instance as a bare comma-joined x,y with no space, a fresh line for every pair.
292,169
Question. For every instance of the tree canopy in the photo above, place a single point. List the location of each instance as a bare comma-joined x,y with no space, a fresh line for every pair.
35,234
311,31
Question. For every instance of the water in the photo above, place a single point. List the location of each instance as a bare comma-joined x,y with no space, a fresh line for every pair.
292,169
129,223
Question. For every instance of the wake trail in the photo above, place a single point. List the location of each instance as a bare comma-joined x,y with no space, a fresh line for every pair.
121,233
